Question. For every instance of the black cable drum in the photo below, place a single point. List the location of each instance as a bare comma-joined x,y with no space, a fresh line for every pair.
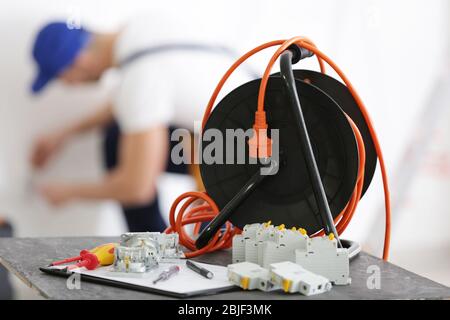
340,93
286,197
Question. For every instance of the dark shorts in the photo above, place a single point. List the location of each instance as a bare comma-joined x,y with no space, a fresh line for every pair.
144,217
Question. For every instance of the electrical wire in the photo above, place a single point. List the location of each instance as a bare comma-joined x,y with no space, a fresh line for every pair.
314,175
206,209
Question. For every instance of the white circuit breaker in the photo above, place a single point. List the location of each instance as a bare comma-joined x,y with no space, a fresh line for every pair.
293,278
245,245
323,257
250,276
265,232
239,241
288,276
265,244
281,246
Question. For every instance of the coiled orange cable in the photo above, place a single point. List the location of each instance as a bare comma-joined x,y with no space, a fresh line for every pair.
207,209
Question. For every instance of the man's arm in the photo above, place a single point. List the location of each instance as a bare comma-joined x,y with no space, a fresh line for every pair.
143,156
101,118
47,145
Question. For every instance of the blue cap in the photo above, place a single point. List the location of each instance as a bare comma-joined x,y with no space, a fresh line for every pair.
55,49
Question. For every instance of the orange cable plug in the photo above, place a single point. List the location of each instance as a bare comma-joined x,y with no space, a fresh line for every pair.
260,145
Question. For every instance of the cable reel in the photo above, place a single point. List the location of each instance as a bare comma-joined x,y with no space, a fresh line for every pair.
326,156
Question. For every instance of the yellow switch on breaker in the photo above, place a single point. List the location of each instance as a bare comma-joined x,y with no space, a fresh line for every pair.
244,283
286,285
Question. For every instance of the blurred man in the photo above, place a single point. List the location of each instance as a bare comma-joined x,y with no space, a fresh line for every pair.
163,82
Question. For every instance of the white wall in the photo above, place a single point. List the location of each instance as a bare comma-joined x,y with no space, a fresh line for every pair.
391,50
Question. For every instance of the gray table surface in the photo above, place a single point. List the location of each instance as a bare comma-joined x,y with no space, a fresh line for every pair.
24,256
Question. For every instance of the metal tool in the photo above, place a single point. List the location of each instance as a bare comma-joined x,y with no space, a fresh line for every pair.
173,270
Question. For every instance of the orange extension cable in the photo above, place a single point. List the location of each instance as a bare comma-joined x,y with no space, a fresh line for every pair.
206,209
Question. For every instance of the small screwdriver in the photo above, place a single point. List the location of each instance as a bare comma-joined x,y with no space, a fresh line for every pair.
167,274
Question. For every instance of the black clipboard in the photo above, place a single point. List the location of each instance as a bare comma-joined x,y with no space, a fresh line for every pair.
65,273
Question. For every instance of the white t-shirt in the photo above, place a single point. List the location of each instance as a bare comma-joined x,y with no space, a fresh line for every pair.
168,88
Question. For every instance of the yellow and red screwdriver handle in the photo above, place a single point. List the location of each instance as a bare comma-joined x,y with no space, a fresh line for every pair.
90,259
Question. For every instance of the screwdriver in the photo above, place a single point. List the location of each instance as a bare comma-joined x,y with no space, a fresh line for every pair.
167,274
90,259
